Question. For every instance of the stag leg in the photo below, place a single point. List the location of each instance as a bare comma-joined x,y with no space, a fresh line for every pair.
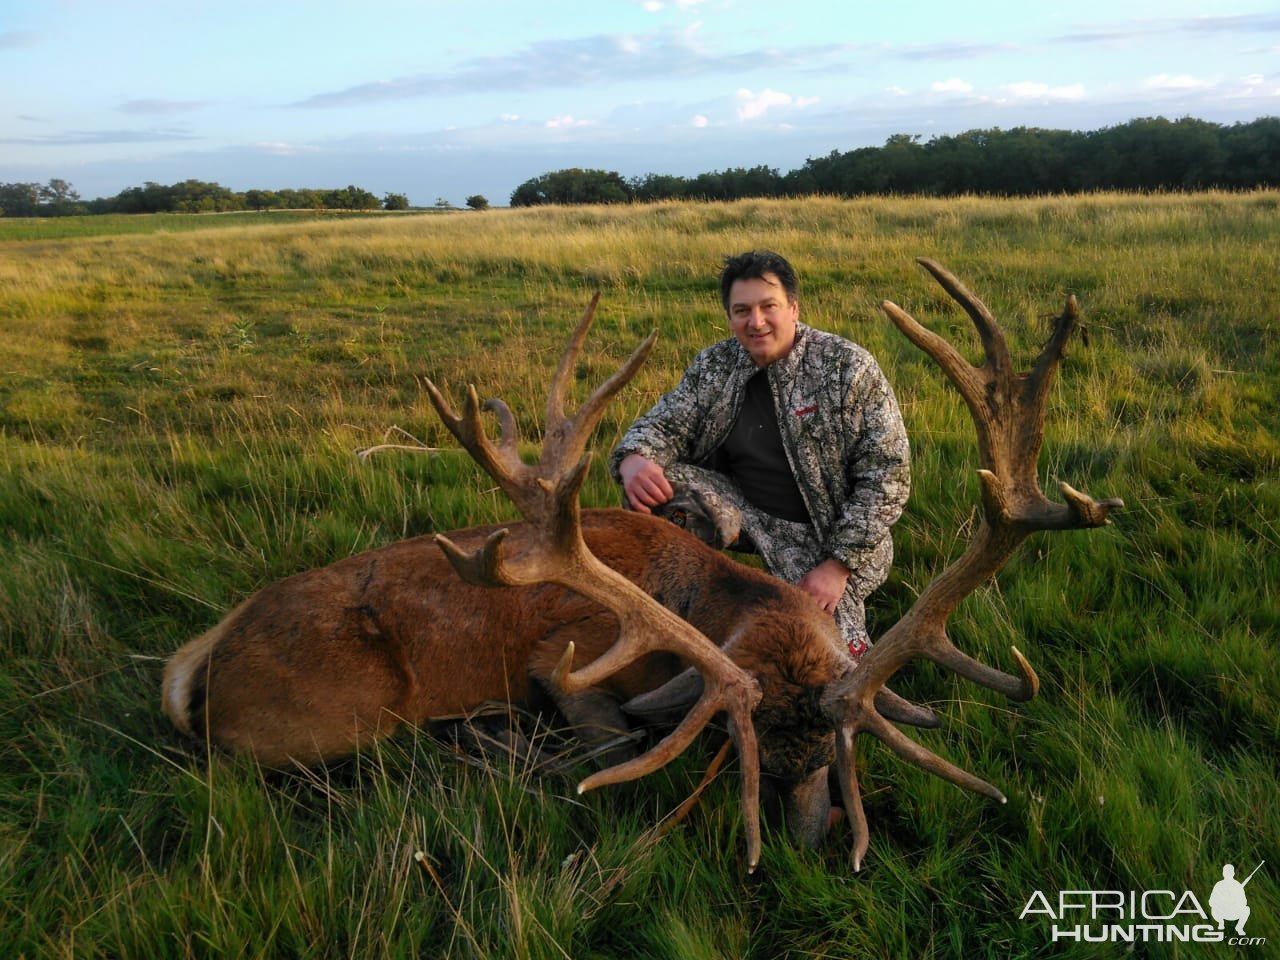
596,713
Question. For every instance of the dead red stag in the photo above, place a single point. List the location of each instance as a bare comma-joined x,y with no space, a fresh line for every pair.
605,609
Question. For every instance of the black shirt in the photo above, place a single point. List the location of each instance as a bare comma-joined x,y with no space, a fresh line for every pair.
753,455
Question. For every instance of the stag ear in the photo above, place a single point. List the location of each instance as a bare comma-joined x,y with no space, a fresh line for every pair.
899,710
715,523
677,695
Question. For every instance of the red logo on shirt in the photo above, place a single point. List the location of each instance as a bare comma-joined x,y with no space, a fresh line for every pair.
805,411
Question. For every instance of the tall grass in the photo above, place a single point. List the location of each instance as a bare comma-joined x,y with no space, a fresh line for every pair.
178,415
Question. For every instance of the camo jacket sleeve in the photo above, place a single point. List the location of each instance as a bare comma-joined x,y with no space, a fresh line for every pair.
688,423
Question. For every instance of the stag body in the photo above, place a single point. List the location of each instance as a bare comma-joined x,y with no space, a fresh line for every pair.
315,665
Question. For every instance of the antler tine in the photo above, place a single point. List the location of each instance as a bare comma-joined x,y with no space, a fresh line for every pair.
958,370
566,437
1008,414
993,342
1021,688
483,567
847,774
593,407
568,358
564,369
500,460
1042,370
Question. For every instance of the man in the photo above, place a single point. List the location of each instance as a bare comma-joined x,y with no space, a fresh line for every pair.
796,429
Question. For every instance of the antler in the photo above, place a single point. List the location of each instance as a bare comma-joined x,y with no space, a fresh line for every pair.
546,494
1008,413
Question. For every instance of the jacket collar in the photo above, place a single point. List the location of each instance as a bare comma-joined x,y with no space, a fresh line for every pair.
787,366
784,367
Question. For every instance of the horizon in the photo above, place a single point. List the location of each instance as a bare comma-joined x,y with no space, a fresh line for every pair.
446,105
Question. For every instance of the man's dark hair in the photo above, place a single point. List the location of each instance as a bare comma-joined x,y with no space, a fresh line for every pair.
753,265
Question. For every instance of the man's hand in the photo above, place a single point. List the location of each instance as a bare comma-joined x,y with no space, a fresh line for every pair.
826,583
644,483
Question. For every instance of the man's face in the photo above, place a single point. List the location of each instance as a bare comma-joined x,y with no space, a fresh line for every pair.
762,319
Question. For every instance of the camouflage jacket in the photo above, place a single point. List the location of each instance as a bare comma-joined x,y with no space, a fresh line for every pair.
840,425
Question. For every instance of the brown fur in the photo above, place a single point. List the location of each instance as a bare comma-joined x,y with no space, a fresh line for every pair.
314,665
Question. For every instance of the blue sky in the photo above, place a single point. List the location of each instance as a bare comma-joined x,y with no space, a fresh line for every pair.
444,100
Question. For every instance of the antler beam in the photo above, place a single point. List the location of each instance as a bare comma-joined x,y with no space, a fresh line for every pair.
546,494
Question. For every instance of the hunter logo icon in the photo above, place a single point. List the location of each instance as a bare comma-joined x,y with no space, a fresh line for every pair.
1228,900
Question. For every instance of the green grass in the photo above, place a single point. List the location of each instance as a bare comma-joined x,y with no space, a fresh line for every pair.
178,413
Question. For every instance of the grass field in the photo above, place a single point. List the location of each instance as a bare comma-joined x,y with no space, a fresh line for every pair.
178,414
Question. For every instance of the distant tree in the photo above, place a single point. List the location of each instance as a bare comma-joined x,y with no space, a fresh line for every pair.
151,197
735,184
262,199
443,204
573,185
58,192
302,199
57,198
198,196
351,198
19,199
1252,153
477,202
658,186
395,201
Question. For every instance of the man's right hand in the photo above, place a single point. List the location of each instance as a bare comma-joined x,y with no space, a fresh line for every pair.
644,483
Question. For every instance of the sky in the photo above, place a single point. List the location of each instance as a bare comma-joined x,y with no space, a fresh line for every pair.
448,100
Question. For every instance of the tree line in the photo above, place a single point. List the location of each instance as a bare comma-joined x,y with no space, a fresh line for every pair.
1144,154
59,198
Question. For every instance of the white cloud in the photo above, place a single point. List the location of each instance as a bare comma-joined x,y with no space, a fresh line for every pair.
1178,81
565,122
279,148
1250,87
752,106
510,117
954,85
700,121
589,61
1029,90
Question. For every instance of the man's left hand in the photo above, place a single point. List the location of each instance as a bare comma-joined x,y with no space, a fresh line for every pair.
826,583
